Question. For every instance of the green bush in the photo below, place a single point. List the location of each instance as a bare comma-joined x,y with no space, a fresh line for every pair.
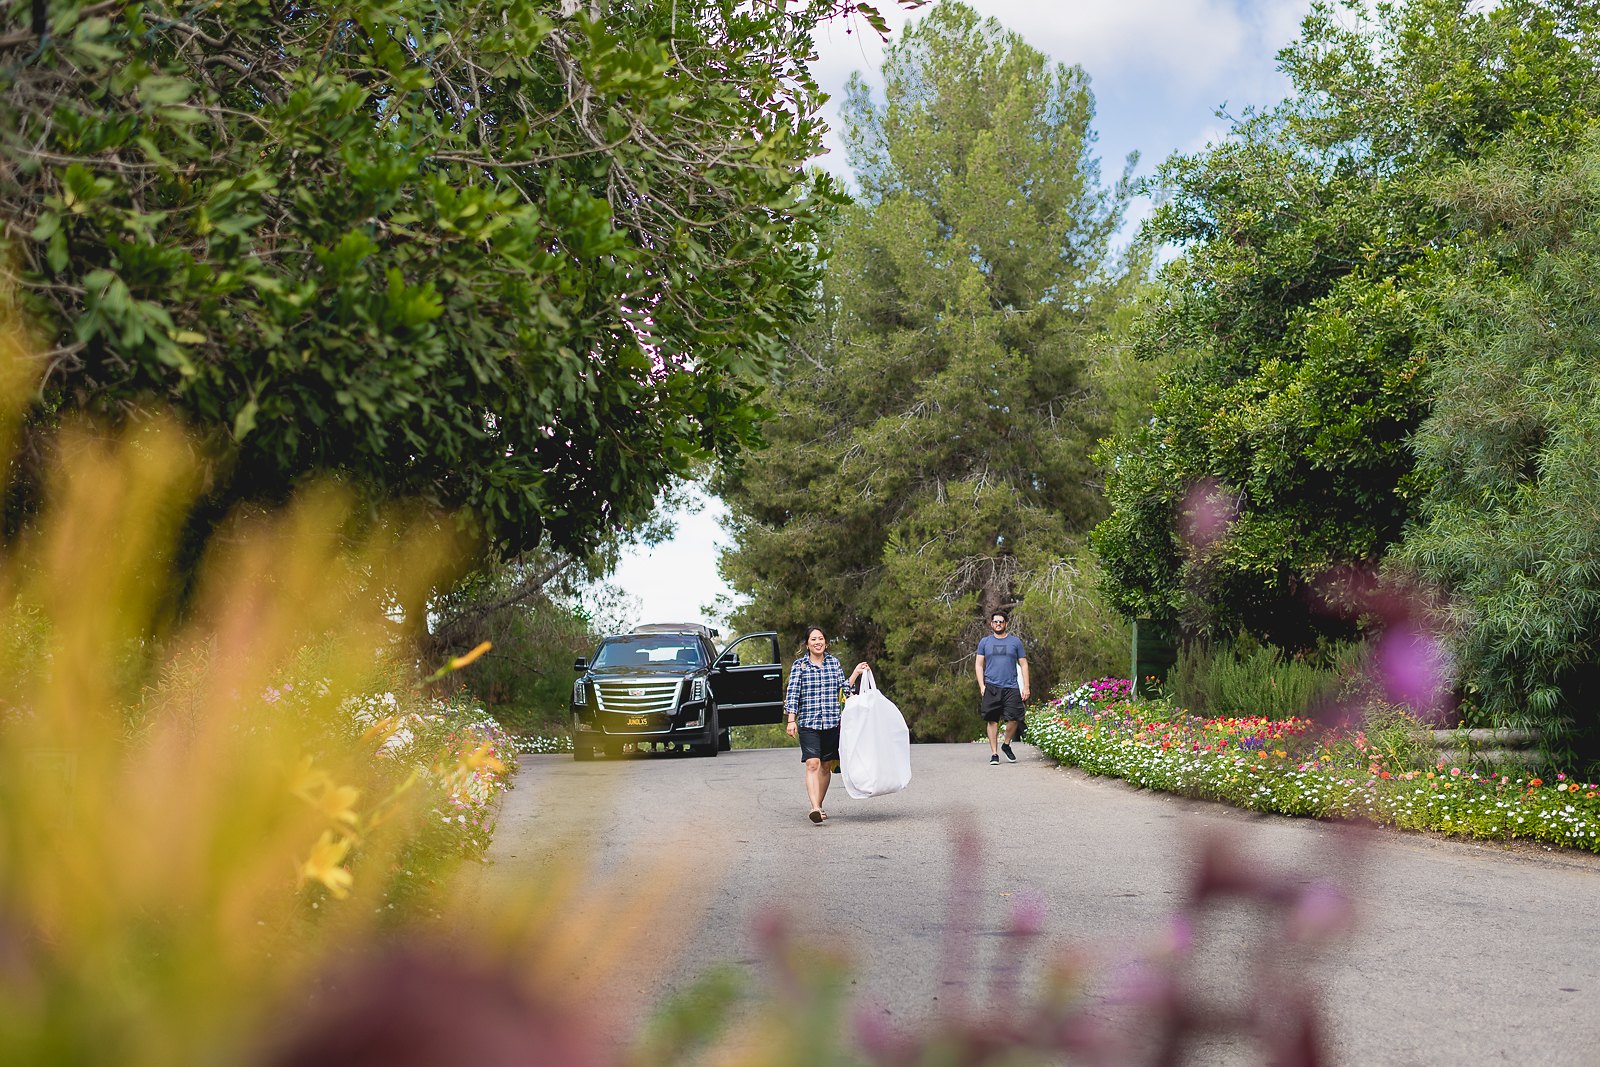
771,735
525,681
1246,677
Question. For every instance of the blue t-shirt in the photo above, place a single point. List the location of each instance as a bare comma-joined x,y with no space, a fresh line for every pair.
1000,655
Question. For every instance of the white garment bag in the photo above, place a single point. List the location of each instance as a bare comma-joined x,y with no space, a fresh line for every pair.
874,744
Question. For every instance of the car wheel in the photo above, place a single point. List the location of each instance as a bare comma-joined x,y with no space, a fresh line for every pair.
582,751
725,740
713,734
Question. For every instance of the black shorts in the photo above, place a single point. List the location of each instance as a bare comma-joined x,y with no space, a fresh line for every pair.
1001,703
818,744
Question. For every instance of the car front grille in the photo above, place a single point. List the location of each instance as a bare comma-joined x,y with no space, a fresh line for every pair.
638,696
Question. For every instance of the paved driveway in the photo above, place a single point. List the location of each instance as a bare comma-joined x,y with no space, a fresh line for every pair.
1461,952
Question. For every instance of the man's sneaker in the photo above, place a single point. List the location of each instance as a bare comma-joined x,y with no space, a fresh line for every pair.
994,761
1011,757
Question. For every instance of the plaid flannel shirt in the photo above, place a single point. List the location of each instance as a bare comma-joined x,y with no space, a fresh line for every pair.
815,693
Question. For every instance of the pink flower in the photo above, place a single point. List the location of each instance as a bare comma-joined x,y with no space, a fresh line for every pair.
1207,512
1413,666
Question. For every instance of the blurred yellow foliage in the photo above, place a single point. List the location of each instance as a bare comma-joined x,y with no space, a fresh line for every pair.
169,835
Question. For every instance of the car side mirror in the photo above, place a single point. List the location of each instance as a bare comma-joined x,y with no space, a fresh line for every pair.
580,664
731,659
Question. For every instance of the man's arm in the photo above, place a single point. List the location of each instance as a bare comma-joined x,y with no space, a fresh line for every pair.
979,666
1022,672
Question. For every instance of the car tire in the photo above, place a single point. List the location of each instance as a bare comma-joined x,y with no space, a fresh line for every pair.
725,740
713,732
582,751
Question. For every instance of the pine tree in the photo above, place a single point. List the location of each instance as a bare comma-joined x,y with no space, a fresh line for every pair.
929,456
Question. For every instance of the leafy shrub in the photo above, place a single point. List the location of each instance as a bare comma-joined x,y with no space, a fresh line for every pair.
1246,677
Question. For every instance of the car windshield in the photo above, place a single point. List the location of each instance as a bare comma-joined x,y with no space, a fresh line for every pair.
653,650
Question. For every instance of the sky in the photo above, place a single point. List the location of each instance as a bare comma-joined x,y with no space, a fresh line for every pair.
1160,71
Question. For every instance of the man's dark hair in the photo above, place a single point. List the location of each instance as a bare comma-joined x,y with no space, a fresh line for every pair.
1000,612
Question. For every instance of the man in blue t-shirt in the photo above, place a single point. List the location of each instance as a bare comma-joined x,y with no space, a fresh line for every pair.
1002,667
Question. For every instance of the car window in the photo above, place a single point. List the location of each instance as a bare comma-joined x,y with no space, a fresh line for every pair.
652,650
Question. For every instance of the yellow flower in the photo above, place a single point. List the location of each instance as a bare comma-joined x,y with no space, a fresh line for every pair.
483,757
338,803
323,865
381,730
461,661
306,781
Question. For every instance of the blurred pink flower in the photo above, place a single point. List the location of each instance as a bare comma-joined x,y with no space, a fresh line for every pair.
1413,667
1208,511
1027,915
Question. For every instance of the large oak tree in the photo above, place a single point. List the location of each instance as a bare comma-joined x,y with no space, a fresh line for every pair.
523,261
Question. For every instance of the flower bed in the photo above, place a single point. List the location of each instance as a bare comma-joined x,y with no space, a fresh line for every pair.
460,754
1291,767
536,744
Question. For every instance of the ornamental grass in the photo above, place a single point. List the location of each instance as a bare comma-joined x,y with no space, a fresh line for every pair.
1294,766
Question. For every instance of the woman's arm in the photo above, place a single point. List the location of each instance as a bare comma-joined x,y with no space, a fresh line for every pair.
791,700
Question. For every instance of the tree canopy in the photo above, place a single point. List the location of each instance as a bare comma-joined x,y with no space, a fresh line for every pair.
1299,310
929,456
525,262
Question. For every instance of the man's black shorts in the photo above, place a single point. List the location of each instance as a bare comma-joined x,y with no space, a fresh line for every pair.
818,744
1002,703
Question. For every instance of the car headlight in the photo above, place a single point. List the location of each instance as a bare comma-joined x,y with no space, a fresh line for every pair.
697,689
580,692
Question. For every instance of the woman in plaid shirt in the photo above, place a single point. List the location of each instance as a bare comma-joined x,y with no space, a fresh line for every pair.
817,688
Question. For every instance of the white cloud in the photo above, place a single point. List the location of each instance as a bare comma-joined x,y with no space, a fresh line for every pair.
1159,68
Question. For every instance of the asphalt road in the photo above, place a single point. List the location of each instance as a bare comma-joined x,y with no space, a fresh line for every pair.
660,867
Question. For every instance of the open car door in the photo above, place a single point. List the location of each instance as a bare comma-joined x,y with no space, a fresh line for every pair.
747,682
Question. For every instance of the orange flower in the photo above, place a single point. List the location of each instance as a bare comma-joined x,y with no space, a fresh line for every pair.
1535,783
461,661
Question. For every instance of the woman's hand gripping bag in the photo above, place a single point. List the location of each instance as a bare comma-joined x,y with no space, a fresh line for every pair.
874,744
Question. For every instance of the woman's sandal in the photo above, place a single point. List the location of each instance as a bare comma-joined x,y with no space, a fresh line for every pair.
824,815
817,816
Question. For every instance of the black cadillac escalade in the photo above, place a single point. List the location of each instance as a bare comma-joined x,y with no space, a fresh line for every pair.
665,687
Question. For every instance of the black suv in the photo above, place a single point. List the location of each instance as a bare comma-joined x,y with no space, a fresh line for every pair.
665,687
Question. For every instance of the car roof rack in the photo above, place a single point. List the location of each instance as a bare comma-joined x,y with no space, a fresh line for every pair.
676,628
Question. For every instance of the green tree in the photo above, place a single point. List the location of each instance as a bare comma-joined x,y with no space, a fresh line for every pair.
525,262
1298,309
1511,525
929,458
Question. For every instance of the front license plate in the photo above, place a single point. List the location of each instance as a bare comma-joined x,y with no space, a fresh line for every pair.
638,720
